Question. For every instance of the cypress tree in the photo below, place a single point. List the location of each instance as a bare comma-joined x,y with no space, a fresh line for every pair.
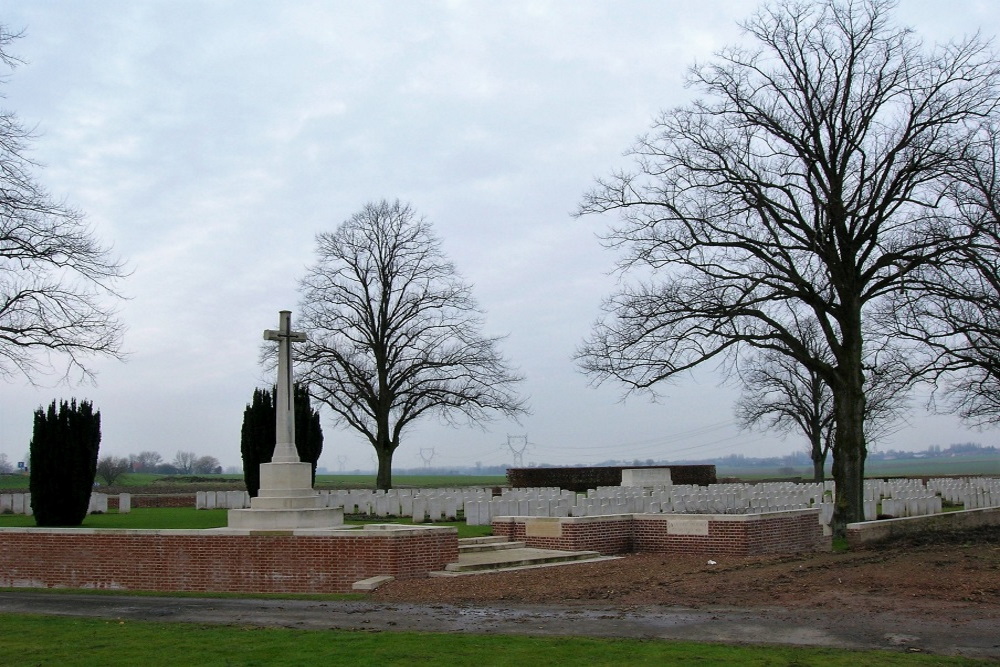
258,435
258,430
63,454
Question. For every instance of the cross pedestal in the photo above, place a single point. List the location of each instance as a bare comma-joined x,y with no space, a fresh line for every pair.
286,499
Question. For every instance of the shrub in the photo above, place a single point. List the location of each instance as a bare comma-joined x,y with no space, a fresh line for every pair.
64,447
258,435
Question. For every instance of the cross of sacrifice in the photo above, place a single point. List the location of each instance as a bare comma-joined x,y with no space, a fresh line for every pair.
284,401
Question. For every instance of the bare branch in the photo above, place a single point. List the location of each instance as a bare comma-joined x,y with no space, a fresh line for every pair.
801,193
58,284
394,333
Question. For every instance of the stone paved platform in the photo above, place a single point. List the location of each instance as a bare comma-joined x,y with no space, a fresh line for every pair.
493,554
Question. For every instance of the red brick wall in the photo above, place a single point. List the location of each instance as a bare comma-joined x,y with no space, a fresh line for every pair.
610,536
189,561
778,532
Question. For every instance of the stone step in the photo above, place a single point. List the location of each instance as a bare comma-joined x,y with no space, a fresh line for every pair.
488,546
469,563
487,539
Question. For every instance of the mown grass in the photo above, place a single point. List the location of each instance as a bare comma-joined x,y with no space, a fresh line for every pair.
139,518
37,640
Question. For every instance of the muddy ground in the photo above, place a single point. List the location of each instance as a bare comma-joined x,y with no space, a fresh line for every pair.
938,594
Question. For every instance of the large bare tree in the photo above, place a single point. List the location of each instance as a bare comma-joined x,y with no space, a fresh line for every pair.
57,282
800,189
953,304
394,333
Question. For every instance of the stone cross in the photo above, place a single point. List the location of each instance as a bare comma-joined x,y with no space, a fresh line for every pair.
284,402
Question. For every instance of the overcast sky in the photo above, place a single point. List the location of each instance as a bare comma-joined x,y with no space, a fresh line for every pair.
210,141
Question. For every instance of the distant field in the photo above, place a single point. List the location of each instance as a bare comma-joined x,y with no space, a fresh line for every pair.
988,466
409,481
152,483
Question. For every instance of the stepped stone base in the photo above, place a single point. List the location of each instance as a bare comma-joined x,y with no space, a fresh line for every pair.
286,501
286,519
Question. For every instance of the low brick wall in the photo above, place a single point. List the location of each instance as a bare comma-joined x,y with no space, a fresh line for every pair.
302,561
873,532
583,478
793,531
611,534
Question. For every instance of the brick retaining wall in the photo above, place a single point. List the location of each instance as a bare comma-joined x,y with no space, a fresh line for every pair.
720,534
792,531
609,534
301,561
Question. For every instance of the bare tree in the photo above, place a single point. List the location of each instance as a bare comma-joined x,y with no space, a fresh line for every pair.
56,279
802,189
6,467
145,460
206,465
394,333
184,462
953,305
111,468
783,395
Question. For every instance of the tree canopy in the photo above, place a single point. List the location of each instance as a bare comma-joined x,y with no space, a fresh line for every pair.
395,334
58,283
803,188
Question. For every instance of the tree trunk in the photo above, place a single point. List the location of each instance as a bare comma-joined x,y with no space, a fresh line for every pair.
383,479
819,465
849,447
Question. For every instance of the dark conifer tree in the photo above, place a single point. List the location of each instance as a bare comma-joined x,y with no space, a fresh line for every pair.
64,448
258,435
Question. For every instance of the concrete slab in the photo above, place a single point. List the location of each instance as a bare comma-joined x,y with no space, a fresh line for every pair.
371,583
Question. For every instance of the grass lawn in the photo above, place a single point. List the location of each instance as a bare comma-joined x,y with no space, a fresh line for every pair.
37,640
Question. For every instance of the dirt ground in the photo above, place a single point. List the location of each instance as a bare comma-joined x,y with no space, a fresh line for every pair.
937,595
932,575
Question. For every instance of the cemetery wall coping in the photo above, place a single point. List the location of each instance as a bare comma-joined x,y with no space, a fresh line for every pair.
382,531
788,531
601,518
171,532
872,532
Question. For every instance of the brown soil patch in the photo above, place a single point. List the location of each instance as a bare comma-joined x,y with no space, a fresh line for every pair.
930,575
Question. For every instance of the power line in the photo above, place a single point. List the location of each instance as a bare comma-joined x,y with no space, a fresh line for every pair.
518,444
427,454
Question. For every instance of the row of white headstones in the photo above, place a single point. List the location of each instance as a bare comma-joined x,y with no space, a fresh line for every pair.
895,498
20,503
892,498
